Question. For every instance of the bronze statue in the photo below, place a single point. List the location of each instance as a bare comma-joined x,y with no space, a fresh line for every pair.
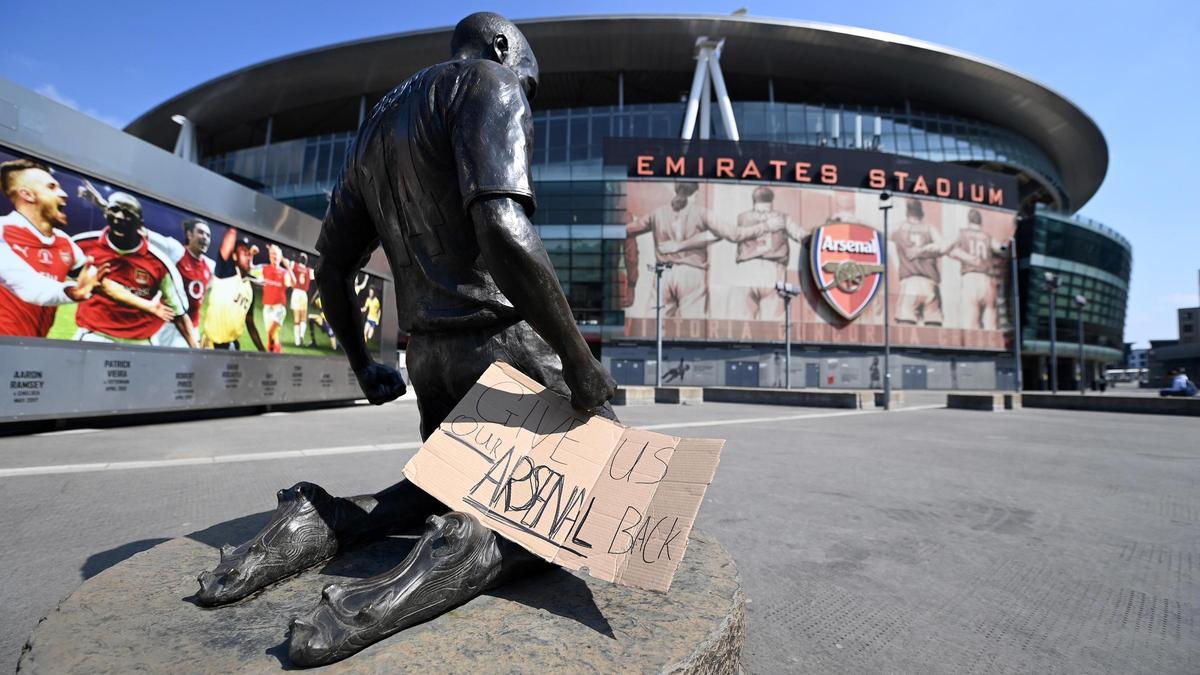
439,176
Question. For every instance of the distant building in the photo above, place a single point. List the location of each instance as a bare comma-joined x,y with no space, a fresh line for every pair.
1189,324
1138,358
1166,356
806,120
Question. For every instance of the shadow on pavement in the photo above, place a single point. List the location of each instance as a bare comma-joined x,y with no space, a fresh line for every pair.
558,592
233,531
98,562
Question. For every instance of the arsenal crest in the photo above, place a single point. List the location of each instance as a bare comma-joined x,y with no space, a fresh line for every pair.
846,261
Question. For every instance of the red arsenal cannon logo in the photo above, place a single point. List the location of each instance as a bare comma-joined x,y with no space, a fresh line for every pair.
847,259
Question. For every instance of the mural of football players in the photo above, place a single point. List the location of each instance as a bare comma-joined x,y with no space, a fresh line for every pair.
37,259
919,253
143,289
681,231
231,296
762,236
976,252
195,268
276,280
371,312
318,321
302,279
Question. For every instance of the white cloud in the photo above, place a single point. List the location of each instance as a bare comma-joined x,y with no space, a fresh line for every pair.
51,92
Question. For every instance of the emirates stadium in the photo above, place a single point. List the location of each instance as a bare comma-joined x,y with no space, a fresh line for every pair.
725,183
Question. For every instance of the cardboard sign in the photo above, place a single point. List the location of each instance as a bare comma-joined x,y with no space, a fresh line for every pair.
580,491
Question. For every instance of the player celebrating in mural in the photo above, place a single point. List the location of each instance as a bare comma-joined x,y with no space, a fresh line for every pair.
302,279
231,296
318,322
276,279
976,252
196,269
37,258
674,226
761,235
372,311
920,272
683,231
143,289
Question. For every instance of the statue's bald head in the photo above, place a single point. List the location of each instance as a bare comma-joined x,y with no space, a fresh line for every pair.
485,35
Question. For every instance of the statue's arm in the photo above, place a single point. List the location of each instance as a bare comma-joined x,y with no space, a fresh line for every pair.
347,239
345,247
491,132
522,270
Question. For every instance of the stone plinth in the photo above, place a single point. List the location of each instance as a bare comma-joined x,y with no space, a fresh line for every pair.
897,399
809,398
1147,405
679,395
984,401
634,396
138,617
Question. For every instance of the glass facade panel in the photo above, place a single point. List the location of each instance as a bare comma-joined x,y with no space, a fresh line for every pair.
1087,261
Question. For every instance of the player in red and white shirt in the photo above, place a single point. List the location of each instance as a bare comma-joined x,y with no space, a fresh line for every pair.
976,252
302,276
276,279
142,290
195,268
35,256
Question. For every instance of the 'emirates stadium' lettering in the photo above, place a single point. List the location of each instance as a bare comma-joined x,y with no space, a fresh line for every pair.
806,165
849,246
822,174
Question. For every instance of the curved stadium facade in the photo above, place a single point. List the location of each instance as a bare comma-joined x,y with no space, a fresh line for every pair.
609,119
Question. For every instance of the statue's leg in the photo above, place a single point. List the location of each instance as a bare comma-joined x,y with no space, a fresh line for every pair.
308,527
455,560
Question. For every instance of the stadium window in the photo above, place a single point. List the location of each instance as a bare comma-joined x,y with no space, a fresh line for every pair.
579,138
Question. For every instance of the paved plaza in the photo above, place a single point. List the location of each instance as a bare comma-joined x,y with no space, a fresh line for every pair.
924,540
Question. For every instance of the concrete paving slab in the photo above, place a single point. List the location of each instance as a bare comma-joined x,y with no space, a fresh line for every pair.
929,541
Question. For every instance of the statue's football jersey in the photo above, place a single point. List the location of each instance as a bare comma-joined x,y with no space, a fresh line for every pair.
449,135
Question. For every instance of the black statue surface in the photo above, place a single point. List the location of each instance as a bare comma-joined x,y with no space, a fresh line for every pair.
439,177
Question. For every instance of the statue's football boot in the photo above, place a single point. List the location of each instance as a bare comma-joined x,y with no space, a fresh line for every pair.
301,534
456,559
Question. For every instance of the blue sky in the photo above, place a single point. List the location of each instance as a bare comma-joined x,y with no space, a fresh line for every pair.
1131,66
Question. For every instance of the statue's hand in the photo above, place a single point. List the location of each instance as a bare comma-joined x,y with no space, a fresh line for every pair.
381,383
590,385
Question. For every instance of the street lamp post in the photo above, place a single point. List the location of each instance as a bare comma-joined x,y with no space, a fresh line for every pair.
884,206
787,292
1080,303
1052,285
1016,310
659,268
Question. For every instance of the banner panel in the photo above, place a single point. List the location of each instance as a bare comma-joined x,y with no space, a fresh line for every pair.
175,280
730,243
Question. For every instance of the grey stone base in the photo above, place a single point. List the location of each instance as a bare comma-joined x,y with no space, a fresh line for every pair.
1147,405
809,398
139,617
990,402
634,395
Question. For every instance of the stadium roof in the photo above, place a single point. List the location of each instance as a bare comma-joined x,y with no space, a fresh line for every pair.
581,56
